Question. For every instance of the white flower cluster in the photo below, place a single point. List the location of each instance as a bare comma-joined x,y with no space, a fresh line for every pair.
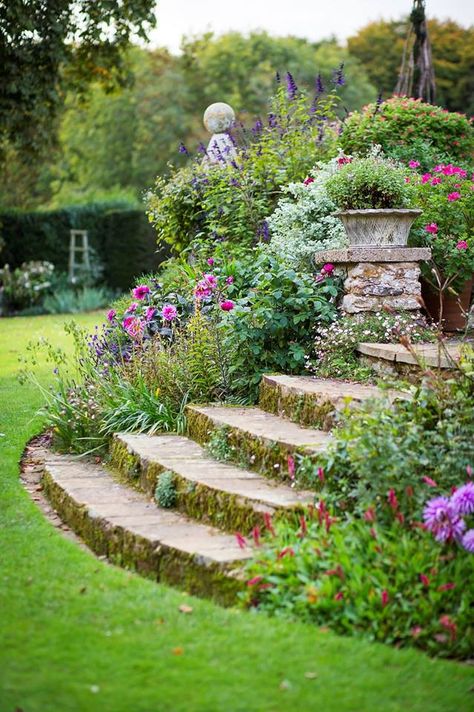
303,223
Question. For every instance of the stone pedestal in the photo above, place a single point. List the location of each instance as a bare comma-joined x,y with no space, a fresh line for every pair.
379,277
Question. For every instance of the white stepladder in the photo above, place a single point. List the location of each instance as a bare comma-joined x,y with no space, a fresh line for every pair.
78,244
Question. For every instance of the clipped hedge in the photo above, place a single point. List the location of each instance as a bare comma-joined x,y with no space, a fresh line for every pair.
121,235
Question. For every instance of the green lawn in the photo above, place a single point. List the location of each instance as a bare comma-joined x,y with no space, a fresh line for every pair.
79,635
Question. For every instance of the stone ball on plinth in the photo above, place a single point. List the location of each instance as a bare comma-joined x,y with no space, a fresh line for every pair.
219,117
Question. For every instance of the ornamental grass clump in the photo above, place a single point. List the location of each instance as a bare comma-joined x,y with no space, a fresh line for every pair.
372,182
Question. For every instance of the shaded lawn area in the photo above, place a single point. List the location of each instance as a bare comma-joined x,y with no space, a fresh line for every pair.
77,634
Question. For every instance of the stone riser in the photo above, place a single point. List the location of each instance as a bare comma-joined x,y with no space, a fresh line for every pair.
227,511
310,410
263,455
128,549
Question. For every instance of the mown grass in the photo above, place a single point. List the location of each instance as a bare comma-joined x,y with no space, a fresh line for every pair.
77,634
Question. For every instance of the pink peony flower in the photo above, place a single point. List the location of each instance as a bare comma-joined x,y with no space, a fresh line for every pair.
432,228
227,305
308,180
141,291
425,177
414,164
169,312
454,196
111,314
462,245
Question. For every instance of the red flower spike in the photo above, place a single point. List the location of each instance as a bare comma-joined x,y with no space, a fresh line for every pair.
339,596
264,586
291,467
447,586
450,626
392,499
268,523
287,551
429,481
304,526
468,470
241,541
373,533
256,535
321,475
253,581
369,515
409,491
384,597
424,580
400,516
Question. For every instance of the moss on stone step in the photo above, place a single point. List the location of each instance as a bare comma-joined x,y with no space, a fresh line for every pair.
308,409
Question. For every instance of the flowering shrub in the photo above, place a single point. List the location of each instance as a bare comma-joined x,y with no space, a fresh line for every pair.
229,202
303,222
335,346
403,123
446,196
25,286
391,584
371,182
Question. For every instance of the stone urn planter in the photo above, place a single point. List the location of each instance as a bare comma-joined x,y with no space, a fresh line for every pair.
384,227
455,307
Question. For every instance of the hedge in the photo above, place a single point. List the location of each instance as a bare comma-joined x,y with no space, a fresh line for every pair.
121,235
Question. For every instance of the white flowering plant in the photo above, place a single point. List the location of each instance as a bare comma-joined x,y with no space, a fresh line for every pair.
303,222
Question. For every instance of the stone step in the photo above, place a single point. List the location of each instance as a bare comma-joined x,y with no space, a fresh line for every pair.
217,493
396,359
253,438
120,523
312,401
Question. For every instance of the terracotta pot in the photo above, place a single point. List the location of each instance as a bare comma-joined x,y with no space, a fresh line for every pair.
454,315
381,227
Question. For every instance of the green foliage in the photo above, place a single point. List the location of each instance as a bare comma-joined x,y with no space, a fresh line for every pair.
121,236
372,182
386,446
165,491
401,121
70,301
218,446
361,579
270,328
335,346
49,46
230,202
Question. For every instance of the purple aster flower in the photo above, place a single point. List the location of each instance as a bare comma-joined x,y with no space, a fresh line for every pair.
182,149
169,312
442,520
319,85
338,77
462,500
468,541
141,291
111,314
291,87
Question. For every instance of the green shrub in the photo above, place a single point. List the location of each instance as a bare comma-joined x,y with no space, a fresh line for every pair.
24,287
165,491
72,301
401,123
371,182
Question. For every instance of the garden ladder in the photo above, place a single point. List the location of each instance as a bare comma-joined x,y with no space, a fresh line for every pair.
78,244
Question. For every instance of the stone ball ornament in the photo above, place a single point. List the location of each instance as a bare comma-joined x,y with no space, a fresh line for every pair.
219,117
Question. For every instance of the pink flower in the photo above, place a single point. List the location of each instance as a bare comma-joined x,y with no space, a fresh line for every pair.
321,475
291,467
369,515
210,261
468,470
429,481
343,160
447,586
432,228
424,580
287,551
241,541
384,597
133,307
253,581
229,280
407,180
462,245
468,541
414,164
169,312
202,290
339,596
454,196
308,180
425,177
211,280
227,305
256,535
327,268
111,314
133,326
268,523
392,499
436,180
438,168
416,630
141,291
447,623
150,313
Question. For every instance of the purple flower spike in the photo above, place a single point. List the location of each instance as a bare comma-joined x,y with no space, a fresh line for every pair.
182,149
338,78
468,541
462,500
319,84
292,89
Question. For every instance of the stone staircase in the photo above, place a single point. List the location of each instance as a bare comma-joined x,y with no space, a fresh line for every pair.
192,544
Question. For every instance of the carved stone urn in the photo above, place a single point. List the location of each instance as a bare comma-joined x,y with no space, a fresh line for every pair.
383,227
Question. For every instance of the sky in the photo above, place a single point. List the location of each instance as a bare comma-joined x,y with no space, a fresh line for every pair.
312,19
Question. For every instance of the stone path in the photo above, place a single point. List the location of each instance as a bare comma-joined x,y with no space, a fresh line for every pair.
193,545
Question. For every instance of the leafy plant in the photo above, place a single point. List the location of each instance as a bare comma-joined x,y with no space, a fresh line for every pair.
372,182
25,286
165,491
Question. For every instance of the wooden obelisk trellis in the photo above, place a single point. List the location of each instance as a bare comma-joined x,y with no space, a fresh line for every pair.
78,245
416,77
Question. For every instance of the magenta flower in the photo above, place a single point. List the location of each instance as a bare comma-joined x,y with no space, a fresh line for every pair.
308,180
414,164
468,541
150,313
227,305
384,597
141,291
133,326
169,312
111,314
442,520
229,280
291,466
407,180
436,180
241,540
425,177
210,280
202,290
438,168
127,321
431,228
254,581
210,261
454,196
462,245
463,499
133,307
327,268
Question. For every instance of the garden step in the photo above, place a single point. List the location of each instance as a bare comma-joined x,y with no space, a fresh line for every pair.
254,438
120,523
215,492
313,401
